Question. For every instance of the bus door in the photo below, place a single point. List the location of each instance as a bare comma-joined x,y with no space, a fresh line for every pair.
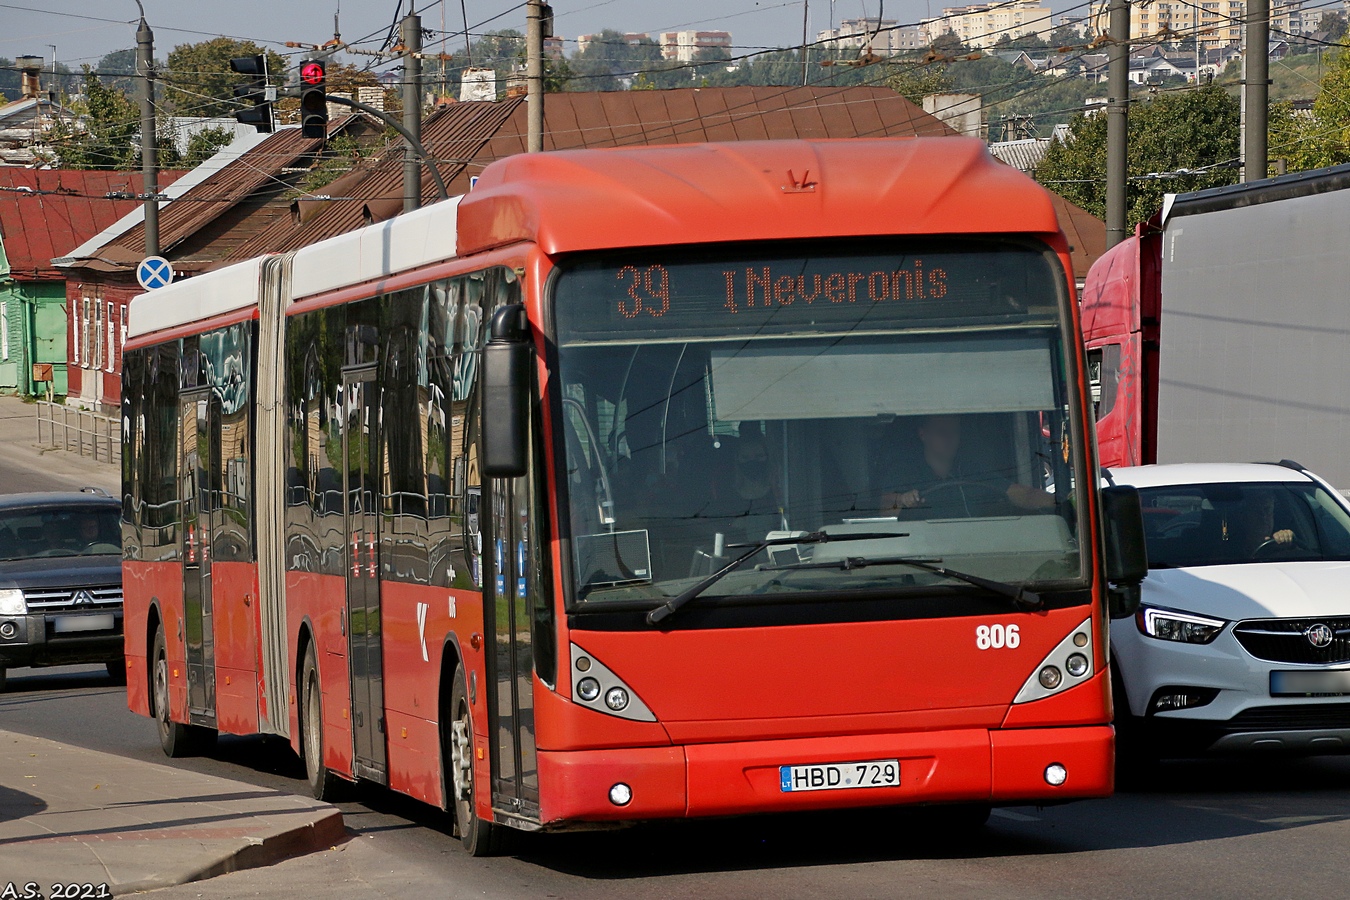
508,595
195,463
361,485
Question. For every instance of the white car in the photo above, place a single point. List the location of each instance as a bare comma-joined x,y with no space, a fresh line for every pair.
1242,641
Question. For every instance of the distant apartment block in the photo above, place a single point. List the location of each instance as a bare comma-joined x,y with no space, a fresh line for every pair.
685,45
1213,23
982,25
634,38
553,47
885,36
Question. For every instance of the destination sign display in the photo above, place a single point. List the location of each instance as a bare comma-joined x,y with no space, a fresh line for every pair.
628,296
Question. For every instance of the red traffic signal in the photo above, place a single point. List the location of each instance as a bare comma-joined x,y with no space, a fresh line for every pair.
313,99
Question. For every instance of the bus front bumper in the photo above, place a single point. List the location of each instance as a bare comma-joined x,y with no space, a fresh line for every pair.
1006,766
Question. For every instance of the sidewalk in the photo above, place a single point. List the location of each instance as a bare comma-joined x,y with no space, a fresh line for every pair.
73,815
19,450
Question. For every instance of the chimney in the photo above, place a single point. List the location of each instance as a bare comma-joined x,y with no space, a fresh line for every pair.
30,67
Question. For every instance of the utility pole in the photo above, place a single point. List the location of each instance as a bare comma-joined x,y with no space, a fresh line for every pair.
145,67
1117,119
806,13
412,110
534,76
1255,90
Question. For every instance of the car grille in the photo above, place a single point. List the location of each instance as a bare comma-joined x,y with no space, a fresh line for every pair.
1291,717
73,599
1282,640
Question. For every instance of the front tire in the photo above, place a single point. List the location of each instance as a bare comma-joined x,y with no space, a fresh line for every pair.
117,671
323,783
3,676
480,838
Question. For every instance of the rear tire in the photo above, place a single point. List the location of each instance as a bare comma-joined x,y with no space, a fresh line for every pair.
323,783
3,675
480,838
175,738
117,671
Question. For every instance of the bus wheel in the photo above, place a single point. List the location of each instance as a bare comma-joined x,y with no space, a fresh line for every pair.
323,784
174,737
480,838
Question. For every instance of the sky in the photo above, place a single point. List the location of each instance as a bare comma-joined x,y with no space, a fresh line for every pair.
82,31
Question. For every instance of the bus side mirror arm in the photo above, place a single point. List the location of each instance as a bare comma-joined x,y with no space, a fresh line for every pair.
1126,552
506,393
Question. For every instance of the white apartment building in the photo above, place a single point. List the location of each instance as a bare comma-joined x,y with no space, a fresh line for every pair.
982,25
885,36
1214,23
684,45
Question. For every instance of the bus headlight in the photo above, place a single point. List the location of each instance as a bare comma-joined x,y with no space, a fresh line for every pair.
12,603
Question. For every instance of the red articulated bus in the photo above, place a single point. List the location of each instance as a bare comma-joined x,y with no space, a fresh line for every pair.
636,484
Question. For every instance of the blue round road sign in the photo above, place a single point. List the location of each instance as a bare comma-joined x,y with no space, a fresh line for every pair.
154,272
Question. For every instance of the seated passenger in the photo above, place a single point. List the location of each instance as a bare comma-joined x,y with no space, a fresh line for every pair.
943,489
749,496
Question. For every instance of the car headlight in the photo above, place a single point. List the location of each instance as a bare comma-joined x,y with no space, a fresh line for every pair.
1186,628
12,603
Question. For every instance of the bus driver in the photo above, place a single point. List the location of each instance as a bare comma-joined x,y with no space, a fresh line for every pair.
941,487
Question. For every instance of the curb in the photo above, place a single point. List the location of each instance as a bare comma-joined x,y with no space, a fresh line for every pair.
321,834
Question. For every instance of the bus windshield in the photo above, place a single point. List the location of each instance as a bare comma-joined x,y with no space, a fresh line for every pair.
910,400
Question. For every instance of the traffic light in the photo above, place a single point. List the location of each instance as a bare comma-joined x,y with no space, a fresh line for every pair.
313,99
256,92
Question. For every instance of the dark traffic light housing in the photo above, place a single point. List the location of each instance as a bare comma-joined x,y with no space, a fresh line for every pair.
256,92
313,98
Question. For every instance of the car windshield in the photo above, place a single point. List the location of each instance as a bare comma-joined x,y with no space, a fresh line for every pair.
1225,524
59,531
917,396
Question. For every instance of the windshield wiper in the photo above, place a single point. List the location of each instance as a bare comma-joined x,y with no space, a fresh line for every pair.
1022,598
667,609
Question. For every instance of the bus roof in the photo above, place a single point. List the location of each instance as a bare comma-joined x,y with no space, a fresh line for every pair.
652,196
750,190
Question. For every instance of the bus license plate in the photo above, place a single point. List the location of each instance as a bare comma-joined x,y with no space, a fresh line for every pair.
837,776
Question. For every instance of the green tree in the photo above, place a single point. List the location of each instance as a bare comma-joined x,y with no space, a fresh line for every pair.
916,82
106,134
198,80
203,145
1334,24
1192,130
118,69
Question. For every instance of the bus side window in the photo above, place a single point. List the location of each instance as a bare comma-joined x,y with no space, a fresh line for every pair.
133,386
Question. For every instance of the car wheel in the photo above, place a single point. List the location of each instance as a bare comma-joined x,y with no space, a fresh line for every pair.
3,673
323,783
480,838
117,671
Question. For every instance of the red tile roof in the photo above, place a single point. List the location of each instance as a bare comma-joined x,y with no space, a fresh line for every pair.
46,213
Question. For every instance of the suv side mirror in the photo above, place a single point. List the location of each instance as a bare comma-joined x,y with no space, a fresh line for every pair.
1126,552
506,393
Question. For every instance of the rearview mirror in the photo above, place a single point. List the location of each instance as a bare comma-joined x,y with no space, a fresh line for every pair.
506,393
1126,552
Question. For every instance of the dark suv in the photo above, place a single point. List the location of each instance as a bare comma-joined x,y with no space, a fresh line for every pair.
61,581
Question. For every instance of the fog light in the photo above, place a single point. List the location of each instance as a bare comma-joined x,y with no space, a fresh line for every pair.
1050,678
1076,664
621,794
588,689
583,663
7,630
1055,774
616,698
1080,640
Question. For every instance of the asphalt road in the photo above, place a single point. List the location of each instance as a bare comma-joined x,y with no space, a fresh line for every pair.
1255,828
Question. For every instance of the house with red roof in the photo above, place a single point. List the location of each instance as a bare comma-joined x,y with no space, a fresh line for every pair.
47,213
